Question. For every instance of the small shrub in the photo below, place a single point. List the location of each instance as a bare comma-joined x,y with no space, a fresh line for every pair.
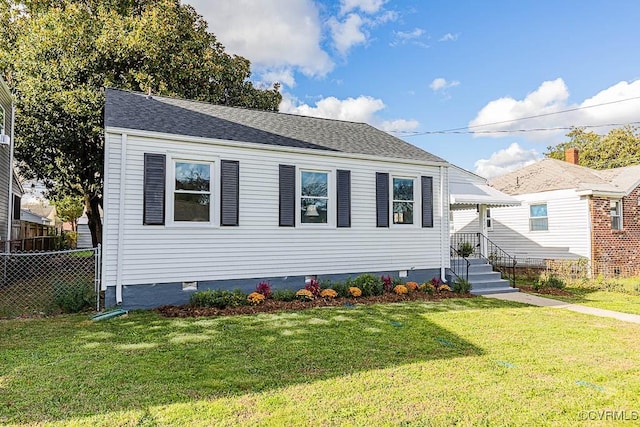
328,293
369,284
427,287
305,294
284,295
461,286
355,291
400,289
436,282
264,288
314,287
443,288
218,298
74,296
549,280
411,286
341,288
255,298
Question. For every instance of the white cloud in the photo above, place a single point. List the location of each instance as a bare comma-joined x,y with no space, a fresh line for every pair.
362,109
506,160
367,6
440,84
508,114
449,37
280,35
413,37
347,33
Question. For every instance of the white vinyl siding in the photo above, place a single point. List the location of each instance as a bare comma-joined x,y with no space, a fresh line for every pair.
258,247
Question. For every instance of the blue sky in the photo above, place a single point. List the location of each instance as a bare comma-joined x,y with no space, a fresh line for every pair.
413,67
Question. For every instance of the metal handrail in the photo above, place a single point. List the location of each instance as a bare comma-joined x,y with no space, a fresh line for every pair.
456,256
499,259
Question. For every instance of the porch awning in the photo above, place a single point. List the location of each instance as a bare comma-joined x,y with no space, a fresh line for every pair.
467,195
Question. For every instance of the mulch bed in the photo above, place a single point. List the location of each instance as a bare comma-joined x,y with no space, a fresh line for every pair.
270,306
545,291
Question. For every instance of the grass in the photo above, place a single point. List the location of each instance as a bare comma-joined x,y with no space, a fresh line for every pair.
620,294
463,362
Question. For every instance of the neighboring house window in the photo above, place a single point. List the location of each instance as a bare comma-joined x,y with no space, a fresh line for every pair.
1,119
403,200
314,197
616,214
489,220
192,191
538,220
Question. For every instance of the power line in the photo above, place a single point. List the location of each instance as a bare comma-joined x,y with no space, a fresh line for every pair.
466,129
520,130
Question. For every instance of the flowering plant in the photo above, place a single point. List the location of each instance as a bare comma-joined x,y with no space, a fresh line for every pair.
436,282
387,283
355,292
444,288
400,289
304,294
264,288
314,287
255,298
411,286
328,293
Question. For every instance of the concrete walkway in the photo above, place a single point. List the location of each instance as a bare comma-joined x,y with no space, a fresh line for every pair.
548,302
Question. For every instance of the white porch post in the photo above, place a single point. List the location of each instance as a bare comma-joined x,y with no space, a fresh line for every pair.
482,217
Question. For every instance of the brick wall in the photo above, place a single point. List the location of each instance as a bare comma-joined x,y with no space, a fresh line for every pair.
615,249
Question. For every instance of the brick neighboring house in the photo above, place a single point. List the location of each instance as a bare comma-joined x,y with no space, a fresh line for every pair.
569,212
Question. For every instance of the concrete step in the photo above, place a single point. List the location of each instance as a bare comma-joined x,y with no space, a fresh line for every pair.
484,277
489,291
499,283
480,268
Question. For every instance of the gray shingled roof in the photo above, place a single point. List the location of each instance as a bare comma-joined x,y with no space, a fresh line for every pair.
133,110
552,174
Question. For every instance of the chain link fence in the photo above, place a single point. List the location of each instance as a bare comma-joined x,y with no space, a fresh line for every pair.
43,283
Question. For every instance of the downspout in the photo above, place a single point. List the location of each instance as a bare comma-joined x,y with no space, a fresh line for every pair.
120,256
444,227
10,200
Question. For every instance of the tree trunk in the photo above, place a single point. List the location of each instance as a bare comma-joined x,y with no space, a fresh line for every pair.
92,204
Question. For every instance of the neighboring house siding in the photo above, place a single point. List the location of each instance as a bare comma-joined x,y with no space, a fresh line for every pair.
568,226
616,248
5,166
258,247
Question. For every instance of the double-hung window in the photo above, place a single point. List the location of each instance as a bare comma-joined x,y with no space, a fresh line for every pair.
314,197
538,219
192,191
615,210
1,120
403,200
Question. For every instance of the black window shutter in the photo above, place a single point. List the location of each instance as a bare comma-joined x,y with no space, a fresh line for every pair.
16,207
287,196
229,192
427,201
154,189
343,201
382,199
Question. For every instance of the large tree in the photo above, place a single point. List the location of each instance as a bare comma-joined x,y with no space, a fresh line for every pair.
620,147
59,55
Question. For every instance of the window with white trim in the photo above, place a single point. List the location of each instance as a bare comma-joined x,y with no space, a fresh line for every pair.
314,197
615,210
1,119
538,219
403,200
489,220
192,191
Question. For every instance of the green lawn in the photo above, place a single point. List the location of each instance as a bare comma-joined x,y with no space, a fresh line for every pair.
458,362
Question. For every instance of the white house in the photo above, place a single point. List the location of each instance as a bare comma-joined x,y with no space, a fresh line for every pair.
567,211
201,196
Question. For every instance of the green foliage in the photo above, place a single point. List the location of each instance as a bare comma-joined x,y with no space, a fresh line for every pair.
74,296
284,295
59,55
465,249
549,280
69,209
369,284
620,147
461,286
342,288
218,298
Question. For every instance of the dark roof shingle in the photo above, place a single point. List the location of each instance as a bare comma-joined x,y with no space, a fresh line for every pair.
133,110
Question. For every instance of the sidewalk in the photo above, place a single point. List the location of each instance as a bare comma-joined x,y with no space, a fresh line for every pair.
548,302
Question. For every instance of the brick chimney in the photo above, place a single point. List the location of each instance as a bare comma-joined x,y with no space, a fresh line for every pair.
571,155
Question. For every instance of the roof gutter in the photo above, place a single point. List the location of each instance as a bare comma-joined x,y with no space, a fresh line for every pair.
612,194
